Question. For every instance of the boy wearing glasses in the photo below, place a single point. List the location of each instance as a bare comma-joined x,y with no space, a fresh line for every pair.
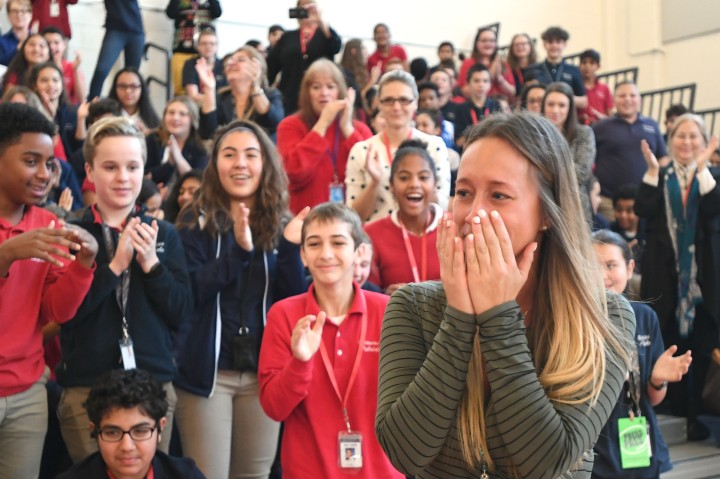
19,13
127,416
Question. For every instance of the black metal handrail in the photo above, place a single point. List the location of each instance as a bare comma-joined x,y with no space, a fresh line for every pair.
654,102
154,79
711,116
614,77
573,59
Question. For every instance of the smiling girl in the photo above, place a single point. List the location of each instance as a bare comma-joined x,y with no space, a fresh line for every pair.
243,255
404,242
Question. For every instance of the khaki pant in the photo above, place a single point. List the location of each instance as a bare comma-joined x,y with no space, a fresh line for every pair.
75,425
228,434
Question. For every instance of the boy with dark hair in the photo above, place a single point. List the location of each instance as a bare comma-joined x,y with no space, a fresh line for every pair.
600,100
318,368
629,225
479,105
446,55
39,279
127,412
274,34
429,99
554,67
670,114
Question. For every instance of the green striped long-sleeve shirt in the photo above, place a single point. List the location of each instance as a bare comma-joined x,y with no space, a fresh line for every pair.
424,355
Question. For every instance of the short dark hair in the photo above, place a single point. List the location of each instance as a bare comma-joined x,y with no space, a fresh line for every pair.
275,28
447,44
148,189
628,191
434,115
555,33
477,67
333,211
412,147
17,119
253,43
381,25
607,237
419,69
52,29
428,85
102,107
120,389
675,110
593,55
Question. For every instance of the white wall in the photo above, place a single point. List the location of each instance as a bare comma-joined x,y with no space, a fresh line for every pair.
626,32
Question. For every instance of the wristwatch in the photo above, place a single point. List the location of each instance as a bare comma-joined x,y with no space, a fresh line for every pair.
662,386
258,92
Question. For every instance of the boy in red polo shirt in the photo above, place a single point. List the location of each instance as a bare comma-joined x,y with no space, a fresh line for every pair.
45,271
318,368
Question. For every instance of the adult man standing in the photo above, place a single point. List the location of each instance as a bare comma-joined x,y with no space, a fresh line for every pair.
19,13
619,158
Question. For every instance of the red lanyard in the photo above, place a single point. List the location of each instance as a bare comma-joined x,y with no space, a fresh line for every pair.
520,75
305,35
474,116
353,373
411,256
386,142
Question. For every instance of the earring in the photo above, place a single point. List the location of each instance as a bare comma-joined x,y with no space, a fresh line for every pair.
544,228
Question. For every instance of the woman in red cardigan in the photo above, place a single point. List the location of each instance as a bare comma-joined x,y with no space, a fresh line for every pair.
315,141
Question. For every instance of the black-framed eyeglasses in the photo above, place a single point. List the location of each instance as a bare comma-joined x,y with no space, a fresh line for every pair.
389,101
128,86
137,433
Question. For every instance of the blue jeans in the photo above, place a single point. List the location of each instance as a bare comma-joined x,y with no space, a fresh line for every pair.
113,43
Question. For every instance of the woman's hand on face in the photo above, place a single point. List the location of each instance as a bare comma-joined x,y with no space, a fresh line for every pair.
452,266
330,112
306,337
652,162
241,227
705,155
347,113
293,230
253,70
205,73
494,277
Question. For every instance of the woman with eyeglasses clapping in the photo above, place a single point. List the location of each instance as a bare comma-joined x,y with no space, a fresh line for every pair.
367,177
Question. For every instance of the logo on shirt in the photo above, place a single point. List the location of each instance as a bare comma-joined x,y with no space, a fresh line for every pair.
371,346
160,247
649,129
566,76
643,340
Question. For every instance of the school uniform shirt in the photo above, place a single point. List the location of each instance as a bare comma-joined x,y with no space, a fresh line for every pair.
191,77
468,115
158,166
546,73
599,98
357,177
224,113
649,344
43,14
33,288
302,395
379,58
163,467
391,257
158,302
310,160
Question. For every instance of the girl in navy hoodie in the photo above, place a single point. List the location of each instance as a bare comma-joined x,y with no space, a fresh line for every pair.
243,255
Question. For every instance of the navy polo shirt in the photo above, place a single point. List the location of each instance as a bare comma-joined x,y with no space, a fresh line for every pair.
547,73
619,159
649,344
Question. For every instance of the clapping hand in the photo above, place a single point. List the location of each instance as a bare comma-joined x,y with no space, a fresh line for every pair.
306,337
293,230
671,368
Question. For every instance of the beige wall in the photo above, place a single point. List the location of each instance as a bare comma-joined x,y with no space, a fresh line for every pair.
626,32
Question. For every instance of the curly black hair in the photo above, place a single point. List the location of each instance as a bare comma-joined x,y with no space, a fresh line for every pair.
125,390
18,118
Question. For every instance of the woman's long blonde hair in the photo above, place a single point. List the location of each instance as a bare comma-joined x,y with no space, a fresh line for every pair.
570,328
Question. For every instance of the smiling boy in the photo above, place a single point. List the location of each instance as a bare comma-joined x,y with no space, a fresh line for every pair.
39,277
326,400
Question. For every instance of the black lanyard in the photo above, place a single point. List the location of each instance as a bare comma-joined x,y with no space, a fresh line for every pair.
123,289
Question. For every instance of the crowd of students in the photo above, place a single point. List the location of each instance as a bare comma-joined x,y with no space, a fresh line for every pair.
211,272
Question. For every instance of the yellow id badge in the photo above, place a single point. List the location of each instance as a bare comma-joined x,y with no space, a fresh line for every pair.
634,442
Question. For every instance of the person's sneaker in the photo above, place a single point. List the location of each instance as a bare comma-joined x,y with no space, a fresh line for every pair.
696,431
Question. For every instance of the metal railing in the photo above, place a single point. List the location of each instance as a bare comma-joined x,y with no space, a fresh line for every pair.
168,76
711,116
653,103
614,77
573,59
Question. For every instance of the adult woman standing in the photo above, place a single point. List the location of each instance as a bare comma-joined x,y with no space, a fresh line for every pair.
681,204
175,148
297,49
485,51
243,255
520,56
315,142
367,179
130,90
247,96
559,107
516,212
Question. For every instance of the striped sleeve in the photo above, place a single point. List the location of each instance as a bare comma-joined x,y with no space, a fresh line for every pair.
419,389
544,439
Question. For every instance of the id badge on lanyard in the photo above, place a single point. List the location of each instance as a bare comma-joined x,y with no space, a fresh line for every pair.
350,444
54,9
